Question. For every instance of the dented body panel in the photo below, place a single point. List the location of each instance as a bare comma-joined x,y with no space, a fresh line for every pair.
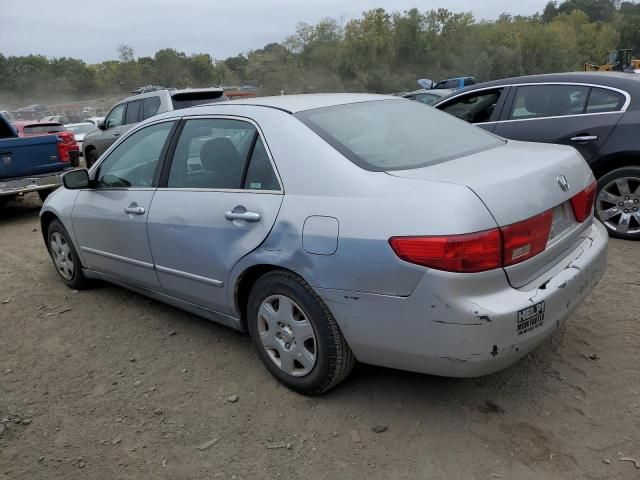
465,325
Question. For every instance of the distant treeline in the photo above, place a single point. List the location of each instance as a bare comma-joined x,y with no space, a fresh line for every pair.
379,52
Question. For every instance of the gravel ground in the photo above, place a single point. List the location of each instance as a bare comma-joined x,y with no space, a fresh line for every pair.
109,384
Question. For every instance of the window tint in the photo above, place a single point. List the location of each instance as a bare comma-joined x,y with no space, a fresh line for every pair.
469,81
549,101
116,117
260,174
133,162
602,100
150,107
211,153
188,99
475,107
395,135
42,129
133,112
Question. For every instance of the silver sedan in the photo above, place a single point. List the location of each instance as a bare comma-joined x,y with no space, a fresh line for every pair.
336,228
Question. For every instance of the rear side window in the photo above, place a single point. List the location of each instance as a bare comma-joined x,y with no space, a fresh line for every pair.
133,112
150,107
260,174
191,99
535,101
395,135
602,100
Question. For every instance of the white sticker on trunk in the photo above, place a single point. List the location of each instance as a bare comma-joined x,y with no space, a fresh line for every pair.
530,318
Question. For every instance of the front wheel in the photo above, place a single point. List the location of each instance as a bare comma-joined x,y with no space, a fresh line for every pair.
43,194
618,202
64,256
91,157
296,336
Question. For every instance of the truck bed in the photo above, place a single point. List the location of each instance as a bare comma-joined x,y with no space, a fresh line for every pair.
23,157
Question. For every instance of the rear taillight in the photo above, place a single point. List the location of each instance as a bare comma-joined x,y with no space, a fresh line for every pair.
478,252
66,143
474,252
526,239
582,203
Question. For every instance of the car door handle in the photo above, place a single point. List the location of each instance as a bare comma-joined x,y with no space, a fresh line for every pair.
247,216
585,138
134,210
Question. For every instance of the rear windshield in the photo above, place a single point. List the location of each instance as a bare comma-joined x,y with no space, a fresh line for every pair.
396,134
191,99
79,129
42,128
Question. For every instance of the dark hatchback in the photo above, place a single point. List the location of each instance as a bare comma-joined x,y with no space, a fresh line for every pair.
597,113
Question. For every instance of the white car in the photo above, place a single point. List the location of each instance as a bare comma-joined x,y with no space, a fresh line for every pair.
94,120
79,131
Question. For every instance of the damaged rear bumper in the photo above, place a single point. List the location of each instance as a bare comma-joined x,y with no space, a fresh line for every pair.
467,325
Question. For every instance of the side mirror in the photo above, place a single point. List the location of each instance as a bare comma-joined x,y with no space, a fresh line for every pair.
76,179
101,125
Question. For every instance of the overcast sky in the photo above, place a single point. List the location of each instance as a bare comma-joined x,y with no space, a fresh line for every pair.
92,29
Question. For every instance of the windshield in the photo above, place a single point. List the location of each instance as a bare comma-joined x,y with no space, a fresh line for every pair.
40,129
79,129
396,134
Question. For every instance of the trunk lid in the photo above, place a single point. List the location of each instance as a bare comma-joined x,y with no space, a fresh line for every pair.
517,181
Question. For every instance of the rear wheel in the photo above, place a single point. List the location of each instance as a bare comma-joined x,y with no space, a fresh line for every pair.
91,157
618,202
296,336
64,256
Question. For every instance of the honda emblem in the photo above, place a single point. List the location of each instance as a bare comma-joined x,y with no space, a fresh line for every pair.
563,182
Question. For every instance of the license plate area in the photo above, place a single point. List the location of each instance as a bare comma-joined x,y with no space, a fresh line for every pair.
530,318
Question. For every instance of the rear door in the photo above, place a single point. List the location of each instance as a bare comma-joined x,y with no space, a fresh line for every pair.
480,107
110,220
217,201
571,114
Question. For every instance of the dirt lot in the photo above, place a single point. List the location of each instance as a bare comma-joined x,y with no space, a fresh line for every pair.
107,384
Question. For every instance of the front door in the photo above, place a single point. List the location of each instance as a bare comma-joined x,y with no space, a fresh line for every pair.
218,203
576,115
110,219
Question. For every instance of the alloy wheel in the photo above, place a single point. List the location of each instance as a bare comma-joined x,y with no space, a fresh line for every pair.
618,205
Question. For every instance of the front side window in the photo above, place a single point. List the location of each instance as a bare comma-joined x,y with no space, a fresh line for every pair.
132,164
116,117
602,100
212,153
133,112
387,135
536,101
475,107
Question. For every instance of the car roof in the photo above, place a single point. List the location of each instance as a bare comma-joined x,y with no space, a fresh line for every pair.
299,103
610,79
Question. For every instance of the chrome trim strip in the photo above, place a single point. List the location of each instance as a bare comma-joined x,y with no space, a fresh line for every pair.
618,112
529,84
190,276
220,190
113,256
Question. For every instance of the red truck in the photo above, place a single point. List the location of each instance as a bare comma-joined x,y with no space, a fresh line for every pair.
68,148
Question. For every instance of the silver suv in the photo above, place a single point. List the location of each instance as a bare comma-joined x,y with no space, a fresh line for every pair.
128,112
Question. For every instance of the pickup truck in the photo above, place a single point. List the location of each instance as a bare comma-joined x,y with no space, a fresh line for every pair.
34,163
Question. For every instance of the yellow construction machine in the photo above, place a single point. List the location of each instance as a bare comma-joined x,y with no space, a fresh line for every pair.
620,60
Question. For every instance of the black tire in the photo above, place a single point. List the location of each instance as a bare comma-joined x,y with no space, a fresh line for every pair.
43,194
334,359
630,202
77,281
91,157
